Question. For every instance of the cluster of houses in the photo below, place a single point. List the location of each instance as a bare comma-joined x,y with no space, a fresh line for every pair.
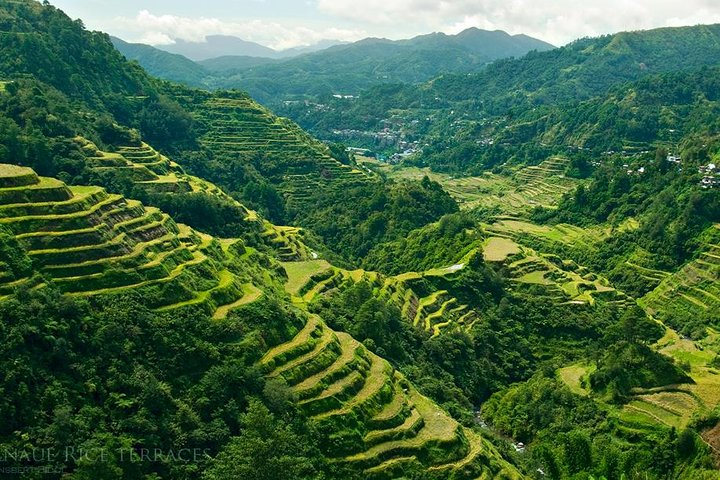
399,157
711,176
382,139
710,172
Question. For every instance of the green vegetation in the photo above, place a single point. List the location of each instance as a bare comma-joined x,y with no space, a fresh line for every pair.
497,249
441,243
577,100
369,413
566,299
688,298
299,273
117,252
266,162
108,245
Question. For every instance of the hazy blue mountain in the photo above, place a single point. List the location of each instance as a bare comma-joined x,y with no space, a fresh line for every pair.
321,45
160,63
218,46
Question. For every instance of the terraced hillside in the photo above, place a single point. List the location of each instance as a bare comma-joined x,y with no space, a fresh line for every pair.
422,297
516,195
541,185
693,292
565,281
148,169
91,243
374,420
239,128
656,410
155,173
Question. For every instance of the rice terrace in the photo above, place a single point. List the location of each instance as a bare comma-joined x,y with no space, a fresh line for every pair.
359,240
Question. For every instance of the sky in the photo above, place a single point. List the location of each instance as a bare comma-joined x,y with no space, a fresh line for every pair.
284,24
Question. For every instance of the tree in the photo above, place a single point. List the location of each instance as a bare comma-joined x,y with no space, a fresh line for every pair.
266,449
578,454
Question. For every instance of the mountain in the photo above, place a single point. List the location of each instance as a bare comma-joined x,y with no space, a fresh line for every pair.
347,69
476,106
227,45
160,63
493,44
218,46
230,64
344,68
588,66
553,316
316,47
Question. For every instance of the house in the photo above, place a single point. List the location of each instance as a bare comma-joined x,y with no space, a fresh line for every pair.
710,181
711,176
708,169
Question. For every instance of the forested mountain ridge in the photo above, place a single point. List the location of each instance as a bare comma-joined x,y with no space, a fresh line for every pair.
349,68
658,111
587,67
476,107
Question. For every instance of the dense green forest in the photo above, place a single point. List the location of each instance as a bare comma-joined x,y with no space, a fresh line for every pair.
194,287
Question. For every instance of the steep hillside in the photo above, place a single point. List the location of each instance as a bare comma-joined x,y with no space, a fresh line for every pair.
142,171
586,67
264,161
373,418
659,110
89,244
294,179
234,126
41,41
689,298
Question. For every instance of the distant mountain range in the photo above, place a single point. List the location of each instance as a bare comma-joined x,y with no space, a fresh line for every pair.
223,45
229,62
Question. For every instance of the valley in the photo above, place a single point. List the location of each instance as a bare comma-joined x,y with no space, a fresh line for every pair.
531,290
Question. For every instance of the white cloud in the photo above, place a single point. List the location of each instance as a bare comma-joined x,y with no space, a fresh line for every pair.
156,38
559,21
154,29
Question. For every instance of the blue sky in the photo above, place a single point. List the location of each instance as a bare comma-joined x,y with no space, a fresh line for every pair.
286,23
